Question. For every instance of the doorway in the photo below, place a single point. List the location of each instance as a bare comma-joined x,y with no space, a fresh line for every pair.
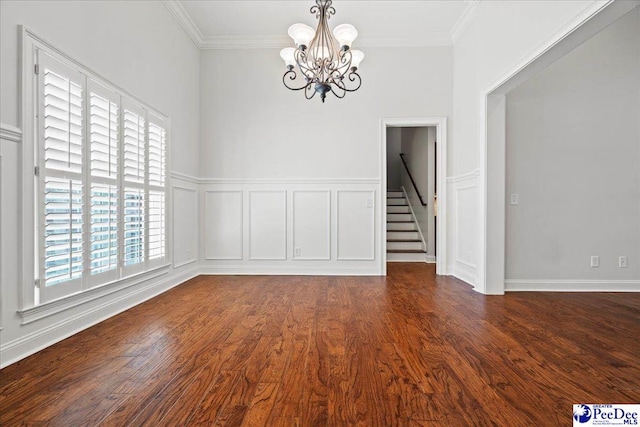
415,128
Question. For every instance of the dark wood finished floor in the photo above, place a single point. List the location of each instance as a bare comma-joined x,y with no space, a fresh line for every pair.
408,350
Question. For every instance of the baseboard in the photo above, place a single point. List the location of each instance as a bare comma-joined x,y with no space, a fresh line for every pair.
465,276
431,259
261,270
535,285
33,342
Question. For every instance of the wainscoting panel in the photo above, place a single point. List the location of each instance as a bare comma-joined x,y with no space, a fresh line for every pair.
267,225
185,225
463,206
356,221
259,224
223,225
312,225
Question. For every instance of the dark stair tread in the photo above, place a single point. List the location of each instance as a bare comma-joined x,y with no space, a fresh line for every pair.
400,222
404,240
406,251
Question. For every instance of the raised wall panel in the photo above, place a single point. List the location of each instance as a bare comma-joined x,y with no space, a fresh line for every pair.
223,225
267,225
466,225
356,230
312,225
185,226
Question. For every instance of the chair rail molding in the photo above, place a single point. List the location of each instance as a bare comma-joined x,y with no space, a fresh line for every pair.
10,133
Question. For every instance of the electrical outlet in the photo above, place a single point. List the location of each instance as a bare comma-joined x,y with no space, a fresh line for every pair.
296,252
369,203
595,261
514,199
188,253
623,262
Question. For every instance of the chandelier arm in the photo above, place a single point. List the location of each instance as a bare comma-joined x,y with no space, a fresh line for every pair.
292,76
339,96
308,89
354,76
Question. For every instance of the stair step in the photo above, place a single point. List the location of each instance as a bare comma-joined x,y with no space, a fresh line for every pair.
406,251
409,235
398,209
406,257
401,226
404,245
396,201
395,193
395,217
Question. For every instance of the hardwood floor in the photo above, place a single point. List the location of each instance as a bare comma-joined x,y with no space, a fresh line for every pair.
408,350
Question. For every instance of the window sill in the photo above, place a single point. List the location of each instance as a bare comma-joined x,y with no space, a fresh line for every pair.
33,314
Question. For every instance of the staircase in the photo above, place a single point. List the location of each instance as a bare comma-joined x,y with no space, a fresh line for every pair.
403,239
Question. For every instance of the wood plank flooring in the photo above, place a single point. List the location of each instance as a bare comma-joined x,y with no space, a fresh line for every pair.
406,350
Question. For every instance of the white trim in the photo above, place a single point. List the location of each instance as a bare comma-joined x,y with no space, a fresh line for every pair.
10,133
287,181
430,259
458,259
204,219
441,165
464,177
287,270
327,257
184,177
524,285
460,272
46,309
483,257
33,342
184,19
373,221
464,21
286,237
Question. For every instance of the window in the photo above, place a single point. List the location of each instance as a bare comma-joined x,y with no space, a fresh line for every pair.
101,196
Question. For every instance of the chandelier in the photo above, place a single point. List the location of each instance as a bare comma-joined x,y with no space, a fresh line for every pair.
325,61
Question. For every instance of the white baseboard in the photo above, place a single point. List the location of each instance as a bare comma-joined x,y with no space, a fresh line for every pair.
431,259
535,285
33,342
252,270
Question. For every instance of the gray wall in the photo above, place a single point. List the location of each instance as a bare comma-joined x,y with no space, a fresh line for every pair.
394,164
418,146
573,157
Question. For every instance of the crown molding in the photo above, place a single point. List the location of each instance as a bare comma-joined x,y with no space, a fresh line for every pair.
185,21
464,22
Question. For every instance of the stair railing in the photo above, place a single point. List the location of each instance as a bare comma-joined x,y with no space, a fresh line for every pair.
415,187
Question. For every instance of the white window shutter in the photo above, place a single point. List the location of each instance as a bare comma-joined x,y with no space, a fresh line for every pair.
134,146
62,192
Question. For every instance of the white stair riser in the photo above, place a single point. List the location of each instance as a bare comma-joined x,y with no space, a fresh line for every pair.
395,194
398,209
405,245
401,226
396,202
402,235
407,257
399,217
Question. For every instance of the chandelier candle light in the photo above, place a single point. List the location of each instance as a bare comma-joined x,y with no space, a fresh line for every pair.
324,60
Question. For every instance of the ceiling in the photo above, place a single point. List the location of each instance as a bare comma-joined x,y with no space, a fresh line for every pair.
217,24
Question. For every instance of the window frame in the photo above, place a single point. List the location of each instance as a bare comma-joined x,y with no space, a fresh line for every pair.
32,177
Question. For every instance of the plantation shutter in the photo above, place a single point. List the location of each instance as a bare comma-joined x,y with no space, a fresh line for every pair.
157,200
104,154
61,156
135,204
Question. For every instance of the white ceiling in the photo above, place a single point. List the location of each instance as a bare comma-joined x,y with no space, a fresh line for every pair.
264,23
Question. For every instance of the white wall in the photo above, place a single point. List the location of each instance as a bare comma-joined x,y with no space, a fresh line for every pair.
573,157
138,46
259,136
502,34
418,147
394,164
